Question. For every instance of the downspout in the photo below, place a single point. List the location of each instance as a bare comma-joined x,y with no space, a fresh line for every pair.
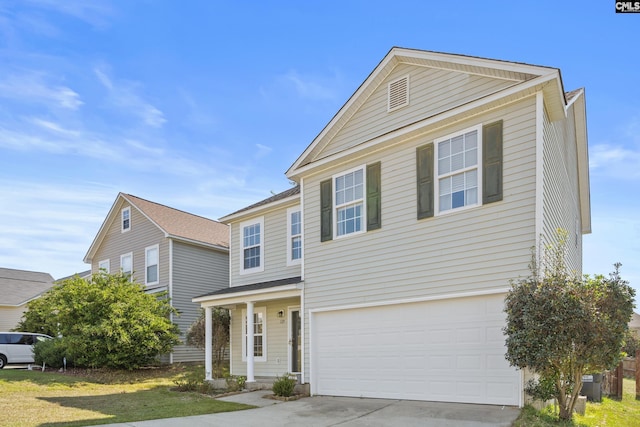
170,288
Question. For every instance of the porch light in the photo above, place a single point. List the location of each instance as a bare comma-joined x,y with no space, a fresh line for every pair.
281,313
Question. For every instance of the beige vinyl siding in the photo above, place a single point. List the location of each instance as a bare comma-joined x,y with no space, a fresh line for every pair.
275,250
10,317
561,195
143,234
196,271
477,249
277,337
431,91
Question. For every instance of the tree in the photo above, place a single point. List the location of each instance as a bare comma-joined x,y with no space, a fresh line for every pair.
562,326
106,321
220,321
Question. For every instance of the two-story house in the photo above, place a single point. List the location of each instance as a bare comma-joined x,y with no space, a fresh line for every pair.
419,201
167,250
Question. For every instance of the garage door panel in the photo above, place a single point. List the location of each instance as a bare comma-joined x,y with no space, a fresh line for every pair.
451,350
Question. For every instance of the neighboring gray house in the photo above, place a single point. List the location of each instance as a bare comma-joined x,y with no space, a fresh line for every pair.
17,288
166,250
383,273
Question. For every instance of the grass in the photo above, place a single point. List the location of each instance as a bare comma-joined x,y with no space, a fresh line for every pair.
608,413
34,398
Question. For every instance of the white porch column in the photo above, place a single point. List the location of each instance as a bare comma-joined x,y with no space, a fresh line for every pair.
250,337
208,344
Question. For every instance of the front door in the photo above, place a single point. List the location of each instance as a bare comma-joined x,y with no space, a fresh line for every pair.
295,341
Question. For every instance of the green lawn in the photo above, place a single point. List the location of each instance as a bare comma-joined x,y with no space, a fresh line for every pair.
608,413
33,398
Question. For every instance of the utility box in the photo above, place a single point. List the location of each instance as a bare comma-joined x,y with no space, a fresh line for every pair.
592,387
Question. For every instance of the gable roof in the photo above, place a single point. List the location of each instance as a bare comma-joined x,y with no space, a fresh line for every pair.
174,223
17,287
526,77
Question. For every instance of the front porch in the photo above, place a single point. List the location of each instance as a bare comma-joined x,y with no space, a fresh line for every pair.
266,317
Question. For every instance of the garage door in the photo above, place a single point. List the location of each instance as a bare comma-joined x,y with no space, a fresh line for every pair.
447,350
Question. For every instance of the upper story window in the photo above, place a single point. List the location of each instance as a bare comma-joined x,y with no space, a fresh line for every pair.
252,245
126,264
125,222
294,235
151,265
349,202
457,171
104,266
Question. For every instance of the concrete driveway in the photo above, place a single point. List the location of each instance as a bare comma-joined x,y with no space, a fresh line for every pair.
344,411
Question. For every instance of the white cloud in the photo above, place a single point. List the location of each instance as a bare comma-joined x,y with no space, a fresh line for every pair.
33,87
312,87
123,96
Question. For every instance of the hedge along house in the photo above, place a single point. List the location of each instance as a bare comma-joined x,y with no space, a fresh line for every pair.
166,250
419,201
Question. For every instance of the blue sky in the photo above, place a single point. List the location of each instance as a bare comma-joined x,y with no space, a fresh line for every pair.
203,105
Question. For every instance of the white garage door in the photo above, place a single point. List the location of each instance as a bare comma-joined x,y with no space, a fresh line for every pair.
447,350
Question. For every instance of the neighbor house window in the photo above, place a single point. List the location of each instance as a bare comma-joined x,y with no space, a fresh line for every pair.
103,266
349,202
126,264
294,235
126,219
457,171
151,265
259,334
252,244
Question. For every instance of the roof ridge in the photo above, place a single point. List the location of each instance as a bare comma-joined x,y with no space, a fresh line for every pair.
172,208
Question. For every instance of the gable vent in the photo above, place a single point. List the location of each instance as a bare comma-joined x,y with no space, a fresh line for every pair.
398,95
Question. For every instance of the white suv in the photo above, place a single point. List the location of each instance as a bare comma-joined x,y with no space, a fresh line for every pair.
17,347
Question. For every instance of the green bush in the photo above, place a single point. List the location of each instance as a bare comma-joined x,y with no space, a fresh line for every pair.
50,352
235,383
284,385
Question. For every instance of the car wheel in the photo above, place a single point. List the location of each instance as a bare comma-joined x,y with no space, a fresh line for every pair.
3,361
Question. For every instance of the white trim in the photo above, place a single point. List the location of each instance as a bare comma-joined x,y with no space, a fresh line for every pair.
146,265
277,292
290,309
107,269
334,207
302,325
122,229
436,186
302,219
130,254
243,225
290,261
539,201
257,310
411,300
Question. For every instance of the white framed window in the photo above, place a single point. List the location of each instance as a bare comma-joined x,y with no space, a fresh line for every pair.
151,255
259,334
294,235
126,264
125,219
104,266
349,202
458,172
252,246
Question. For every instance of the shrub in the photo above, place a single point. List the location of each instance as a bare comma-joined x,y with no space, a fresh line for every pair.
50,352
284,385
235,383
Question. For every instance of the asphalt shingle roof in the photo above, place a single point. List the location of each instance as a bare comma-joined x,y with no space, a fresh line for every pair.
19,286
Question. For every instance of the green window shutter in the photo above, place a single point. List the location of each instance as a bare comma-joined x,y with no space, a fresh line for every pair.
492,162
374,219
326,210
424,167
